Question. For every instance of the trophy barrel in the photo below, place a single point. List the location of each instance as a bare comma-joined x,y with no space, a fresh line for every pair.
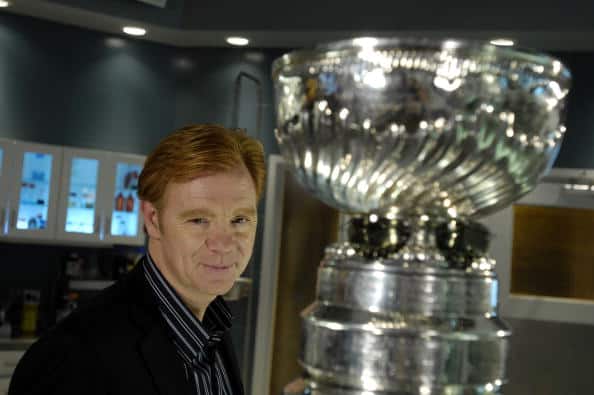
397,328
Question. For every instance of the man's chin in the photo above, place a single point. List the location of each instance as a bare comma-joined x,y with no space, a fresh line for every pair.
220,289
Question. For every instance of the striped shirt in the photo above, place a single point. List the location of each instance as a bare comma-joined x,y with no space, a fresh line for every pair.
195,341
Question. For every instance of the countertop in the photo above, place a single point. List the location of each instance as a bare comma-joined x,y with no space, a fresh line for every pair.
19,344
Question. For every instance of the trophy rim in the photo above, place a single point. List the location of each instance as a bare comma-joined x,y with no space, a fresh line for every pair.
350,46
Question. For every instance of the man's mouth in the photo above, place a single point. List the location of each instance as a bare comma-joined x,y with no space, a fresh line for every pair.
218,268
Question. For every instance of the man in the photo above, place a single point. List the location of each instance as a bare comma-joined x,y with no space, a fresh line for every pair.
163,329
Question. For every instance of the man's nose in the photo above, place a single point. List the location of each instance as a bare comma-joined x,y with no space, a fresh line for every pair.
220,241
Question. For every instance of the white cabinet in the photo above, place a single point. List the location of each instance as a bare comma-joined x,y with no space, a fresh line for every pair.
56,194
32,173
99,200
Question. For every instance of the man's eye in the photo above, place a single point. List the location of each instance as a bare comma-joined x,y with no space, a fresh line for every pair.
199,221
240,220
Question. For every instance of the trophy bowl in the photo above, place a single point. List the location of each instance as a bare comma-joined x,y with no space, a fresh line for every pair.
451,127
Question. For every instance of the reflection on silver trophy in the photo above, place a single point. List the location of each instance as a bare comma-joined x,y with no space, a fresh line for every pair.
413,140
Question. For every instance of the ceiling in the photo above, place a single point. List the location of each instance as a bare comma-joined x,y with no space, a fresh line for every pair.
275,24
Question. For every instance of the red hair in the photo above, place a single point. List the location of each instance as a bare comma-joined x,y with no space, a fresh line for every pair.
196,150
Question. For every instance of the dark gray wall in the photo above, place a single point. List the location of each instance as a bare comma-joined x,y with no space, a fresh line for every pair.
205,89
68,86
577,150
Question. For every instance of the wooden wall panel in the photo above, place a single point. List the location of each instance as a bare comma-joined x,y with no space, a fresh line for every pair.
308,227
553,252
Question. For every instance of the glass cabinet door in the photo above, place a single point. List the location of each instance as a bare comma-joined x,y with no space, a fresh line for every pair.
80,215
33,209
82,196
124,222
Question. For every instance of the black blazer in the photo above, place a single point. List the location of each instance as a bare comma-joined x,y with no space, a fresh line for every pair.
118,344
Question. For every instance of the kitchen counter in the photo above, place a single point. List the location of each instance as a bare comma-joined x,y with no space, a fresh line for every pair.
19,344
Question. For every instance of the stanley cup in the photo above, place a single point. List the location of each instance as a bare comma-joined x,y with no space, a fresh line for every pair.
414,140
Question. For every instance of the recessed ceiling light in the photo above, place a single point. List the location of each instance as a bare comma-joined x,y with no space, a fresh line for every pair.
365,41
239,41
451,44
134,31
4,4
503,42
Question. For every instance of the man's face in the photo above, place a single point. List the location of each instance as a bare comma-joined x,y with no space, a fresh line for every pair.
205,232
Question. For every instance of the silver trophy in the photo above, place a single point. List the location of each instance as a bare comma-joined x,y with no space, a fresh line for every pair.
413,140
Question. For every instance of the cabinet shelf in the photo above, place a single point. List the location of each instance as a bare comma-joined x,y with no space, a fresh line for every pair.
89,285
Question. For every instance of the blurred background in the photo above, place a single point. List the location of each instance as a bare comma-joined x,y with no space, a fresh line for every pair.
82,102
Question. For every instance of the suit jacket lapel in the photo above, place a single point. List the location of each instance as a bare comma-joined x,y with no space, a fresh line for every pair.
155,346
164,364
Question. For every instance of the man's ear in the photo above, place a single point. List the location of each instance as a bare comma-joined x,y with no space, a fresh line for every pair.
151,219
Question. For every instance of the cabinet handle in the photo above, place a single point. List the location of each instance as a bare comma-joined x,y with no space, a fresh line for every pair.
13,219
108,225
6,219
101,222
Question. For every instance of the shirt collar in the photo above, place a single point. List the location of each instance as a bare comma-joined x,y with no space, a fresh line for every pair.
192,337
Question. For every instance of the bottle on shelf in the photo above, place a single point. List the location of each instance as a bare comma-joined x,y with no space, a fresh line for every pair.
30,312
119,202
130,203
